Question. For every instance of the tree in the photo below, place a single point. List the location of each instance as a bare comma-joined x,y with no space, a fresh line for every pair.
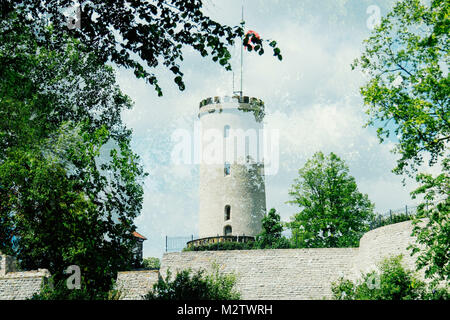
270,236
151,263
391,282
333,212
408,92
195,286
433,235
406,59
141,34
70,186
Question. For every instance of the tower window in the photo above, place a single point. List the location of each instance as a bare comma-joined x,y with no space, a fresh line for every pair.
227,169
227,212
227,231
226,131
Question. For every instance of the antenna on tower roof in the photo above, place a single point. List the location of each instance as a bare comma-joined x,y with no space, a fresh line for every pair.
242,59
233,83
242,51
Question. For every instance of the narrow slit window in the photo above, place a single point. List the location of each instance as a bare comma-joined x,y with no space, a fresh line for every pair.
227,212
226,131
227,231
227,169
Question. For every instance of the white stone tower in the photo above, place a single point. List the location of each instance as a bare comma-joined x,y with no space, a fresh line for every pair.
232,188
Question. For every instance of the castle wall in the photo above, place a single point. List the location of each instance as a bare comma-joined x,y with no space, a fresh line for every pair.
261,274
15,285
135,284
272,274
389,240
21,285
299,273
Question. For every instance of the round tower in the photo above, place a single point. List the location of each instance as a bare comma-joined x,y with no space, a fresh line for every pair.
232,189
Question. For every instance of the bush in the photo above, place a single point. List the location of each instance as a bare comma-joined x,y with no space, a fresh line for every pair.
271,234
392,282
223,246
270,238
380,221
280,243
151,263
195,286
59,291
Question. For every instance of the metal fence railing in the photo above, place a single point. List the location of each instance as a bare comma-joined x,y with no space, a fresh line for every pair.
177,244
408,210
393,216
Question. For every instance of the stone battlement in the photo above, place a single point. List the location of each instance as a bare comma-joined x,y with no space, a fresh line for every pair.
19,285
7,264
234,99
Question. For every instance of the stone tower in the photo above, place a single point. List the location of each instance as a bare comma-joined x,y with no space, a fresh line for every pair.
232,189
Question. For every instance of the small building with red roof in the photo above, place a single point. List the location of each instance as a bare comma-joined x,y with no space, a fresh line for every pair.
139,248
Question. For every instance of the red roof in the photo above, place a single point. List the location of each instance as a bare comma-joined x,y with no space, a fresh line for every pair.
140,236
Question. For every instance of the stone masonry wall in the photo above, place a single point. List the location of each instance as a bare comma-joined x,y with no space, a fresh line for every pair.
135,284
272,274
261,274
385,241
16,285
21,285
299,273
7,264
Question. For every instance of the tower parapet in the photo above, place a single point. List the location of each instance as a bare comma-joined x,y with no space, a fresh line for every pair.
244,103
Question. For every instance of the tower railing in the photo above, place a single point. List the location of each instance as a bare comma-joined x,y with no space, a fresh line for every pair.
234,99
177,244
218,239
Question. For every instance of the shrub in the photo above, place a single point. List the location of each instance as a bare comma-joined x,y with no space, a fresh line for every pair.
280,243
271,234
392,282
59,291
195,286
223,246
151,263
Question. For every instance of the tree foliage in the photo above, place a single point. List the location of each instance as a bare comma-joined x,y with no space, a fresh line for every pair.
227,245
406,60
391,282
271,234
70,185
433,235
270,238
333,212
382,220
52,289
151,263
200,285
142,34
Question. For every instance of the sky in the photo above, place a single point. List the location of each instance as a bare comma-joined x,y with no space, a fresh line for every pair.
311,97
